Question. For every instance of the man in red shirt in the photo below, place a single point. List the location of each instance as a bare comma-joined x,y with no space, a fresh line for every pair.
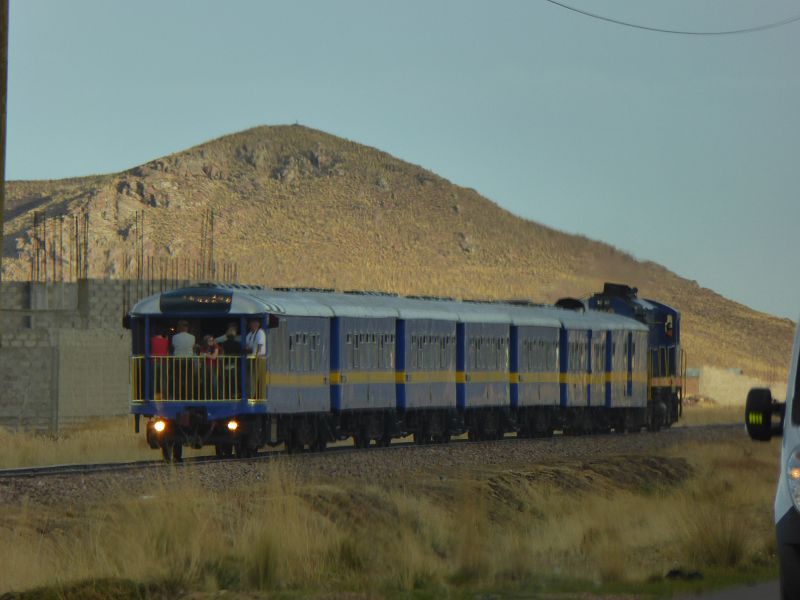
159,348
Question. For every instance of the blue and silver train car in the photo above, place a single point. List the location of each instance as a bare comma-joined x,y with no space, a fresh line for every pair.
665,358
375,367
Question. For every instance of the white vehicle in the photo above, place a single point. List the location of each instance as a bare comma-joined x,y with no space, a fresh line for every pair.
766,418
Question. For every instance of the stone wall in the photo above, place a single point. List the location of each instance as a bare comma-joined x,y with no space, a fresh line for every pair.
63,351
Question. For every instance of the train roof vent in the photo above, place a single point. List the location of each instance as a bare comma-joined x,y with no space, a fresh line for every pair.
571,304
619,290
521,302
368,293
228,286
426,297
304,289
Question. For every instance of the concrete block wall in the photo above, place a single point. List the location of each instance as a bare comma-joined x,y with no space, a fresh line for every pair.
27,374
92,374
730,388
15,295
63,352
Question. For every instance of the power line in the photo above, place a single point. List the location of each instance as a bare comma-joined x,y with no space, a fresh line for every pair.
676,31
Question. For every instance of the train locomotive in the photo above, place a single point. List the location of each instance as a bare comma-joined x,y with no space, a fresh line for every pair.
666,359
374,367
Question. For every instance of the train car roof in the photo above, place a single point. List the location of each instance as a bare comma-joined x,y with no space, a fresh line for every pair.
313,303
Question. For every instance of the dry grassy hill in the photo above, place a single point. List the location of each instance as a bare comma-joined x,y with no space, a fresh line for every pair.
298,207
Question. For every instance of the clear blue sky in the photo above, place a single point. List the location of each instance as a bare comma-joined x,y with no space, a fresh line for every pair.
682,150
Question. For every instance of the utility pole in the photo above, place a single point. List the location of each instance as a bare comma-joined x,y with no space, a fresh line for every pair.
3,96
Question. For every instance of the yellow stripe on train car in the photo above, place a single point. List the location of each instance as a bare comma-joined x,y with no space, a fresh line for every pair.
426,377
296,379
537,377
420,377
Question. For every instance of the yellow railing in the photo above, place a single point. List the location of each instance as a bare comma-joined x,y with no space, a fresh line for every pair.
174,378
136,377
198,378
257,378
683,376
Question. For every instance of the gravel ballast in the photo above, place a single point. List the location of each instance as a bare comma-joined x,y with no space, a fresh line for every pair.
380,466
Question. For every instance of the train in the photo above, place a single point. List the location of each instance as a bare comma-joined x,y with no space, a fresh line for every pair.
376,366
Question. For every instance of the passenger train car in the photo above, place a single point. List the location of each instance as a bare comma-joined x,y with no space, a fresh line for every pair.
376,367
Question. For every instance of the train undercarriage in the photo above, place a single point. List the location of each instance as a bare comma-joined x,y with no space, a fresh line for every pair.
242,436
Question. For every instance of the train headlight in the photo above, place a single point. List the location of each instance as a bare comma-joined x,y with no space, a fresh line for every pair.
233,425
793,476
159,426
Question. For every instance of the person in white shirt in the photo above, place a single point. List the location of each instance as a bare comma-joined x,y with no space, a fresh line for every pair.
183,342
256,344
256,340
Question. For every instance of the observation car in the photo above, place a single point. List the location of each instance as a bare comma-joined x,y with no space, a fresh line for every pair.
376,366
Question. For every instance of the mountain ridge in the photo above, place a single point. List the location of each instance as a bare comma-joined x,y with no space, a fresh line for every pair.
321,211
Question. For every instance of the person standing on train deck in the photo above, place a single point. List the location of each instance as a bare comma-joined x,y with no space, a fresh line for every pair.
229,335
256,340
256,345
159,350
182,369
183,342
231,343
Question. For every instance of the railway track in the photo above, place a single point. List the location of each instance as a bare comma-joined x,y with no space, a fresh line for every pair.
86,469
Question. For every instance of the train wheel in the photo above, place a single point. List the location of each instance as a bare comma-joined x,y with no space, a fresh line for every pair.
177,452
319,444
166,452
385,440
294,446
223,450
242,450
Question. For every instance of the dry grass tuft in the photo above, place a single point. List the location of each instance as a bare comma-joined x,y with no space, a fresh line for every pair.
102,440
